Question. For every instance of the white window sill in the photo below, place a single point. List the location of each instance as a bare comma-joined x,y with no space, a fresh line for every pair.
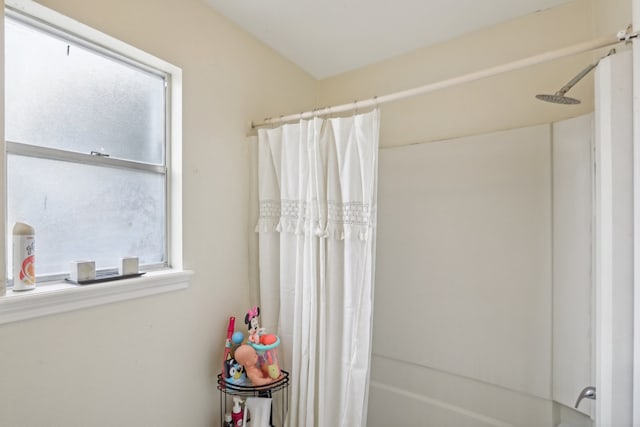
59,297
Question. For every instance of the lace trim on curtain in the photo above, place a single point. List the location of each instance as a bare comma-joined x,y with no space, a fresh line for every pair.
282,215
351,220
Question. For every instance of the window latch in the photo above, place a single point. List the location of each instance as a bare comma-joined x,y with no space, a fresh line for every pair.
99,154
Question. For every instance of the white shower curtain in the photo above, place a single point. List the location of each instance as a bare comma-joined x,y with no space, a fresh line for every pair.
317,195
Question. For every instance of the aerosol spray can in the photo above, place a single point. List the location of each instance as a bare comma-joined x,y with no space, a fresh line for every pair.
24,257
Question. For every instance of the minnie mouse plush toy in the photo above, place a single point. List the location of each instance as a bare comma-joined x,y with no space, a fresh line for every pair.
253,324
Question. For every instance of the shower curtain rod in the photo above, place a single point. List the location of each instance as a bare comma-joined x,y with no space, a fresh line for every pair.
605,41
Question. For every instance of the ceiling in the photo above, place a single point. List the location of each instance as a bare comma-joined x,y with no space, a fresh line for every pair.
329,37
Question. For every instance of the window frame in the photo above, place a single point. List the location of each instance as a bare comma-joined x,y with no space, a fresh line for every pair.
57,296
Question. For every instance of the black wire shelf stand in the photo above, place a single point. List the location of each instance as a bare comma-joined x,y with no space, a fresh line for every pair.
277,390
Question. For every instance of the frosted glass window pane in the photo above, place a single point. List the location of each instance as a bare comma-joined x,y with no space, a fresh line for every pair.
61,95
83,212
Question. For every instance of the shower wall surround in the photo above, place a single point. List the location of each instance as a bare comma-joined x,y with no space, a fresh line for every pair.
463,311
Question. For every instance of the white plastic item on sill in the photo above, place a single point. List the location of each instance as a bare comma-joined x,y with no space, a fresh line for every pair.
82,271
128,265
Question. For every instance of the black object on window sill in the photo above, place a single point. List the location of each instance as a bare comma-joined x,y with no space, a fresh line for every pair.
104,277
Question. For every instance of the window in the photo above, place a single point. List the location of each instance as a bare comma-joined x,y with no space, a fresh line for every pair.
86,134
93,149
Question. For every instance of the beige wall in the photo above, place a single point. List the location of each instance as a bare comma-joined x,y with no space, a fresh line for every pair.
496,103
611,16
152,361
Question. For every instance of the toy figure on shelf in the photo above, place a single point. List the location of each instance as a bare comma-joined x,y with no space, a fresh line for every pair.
234,372
253,324
248,357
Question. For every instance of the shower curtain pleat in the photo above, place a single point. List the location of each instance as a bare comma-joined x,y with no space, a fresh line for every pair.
317,191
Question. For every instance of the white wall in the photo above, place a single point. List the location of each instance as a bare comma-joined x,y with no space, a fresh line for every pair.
614,263
462,329
573,291
484,290
152,361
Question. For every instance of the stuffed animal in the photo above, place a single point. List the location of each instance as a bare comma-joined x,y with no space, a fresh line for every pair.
253,324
